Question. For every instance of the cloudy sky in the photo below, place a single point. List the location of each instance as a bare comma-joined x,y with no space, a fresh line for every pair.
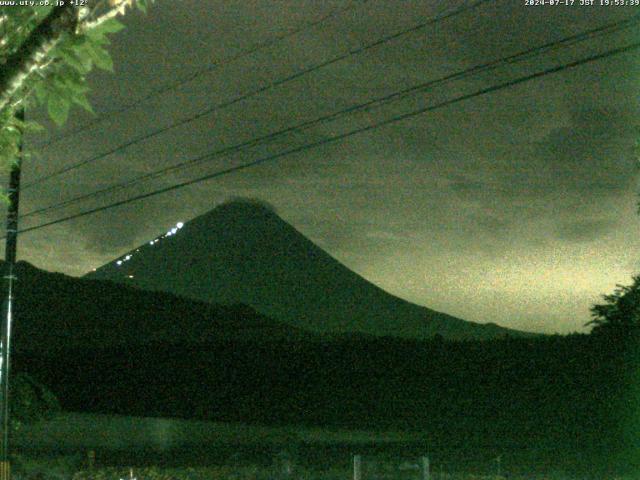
517,207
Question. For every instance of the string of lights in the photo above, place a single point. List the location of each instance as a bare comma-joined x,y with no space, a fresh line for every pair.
344,135
258,91
175,85
172,231
422,87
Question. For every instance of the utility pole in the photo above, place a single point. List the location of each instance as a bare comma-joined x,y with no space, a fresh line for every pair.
5,331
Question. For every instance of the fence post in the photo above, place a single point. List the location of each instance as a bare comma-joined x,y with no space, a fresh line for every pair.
426,474
357,467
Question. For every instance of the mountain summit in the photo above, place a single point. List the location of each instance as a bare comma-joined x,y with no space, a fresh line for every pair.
242,252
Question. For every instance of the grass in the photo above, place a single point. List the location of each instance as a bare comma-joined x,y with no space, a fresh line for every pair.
73,467
262,473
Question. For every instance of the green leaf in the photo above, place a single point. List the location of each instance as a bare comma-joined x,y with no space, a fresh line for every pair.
59,88
81,99
80,48
58,108
142,6
98,34
80,64
71,80
110,26
32,127
11,134
100,57
40,89
24,126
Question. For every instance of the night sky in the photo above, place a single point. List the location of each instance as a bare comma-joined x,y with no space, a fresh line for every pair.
517,207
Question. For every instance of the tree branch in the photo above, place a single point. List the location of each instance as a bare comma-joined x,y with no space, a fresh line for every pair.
26,60
118,8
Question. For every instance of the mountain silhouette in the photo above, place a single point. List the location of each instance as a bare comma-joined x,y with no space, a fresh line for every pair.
242,252
55,312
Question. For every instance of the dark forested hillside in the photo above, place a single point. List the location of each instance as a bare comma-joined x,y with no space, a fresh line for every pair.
571,392
55,311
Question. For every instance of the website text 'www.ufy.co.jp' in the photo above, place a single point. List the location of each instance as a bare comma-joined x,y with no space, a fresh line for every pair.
41,3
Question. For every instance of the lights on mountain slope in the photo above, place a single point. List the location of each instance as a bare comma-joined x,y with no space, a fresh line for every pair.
171,232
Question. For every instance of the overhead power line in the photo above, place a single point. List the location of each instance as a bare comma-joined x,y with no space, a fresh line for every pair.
258,91
171,86
342,136
474,70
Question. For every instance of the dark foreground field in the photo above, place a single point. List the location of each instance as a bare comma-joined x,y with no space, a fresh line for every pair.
174,449
281,468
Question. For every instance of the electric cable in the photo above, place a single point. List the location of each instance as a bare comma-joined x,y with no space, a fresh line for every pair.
253,93
474,70
342,136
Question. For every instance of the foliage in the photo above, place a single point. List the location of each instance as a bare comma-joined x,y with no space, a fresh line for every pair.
11,129
30,401
46,61
621,310
557,396
207,473
45,467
